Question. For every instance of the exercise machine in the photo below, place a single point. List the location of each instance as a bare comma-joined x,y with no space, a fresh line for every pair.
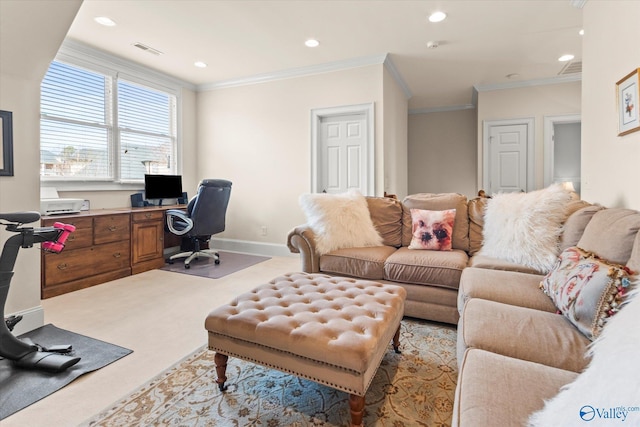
25,353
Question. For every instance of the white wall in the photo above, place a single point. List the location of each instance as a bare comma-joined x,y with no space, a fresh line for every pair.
610,164
528,102
442,152
259,137
29,40
395,105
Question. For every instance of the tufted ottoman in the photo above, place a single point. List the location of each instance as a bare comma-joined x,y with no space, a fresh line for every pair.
332,330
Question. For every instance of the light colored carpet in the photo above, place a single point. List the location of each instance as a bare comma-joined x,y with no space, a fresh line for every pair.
414,388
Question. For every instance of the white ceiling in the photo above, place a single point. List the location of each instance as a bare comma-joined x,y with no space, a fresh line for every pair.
480,43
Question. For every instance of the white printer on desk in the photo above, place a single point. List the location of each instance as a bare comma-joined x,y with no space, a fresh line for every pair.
51,204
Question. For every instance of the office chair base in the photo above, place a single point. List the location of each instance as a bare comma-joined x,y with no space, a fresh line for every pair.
191,255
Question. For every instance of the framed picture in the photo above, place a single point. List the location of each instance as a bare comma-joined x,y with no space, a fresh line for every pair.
6,144
627,91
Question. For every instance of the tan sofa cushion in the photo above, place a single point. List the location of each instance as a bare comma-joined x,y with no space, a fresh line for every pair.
575,224
523,333
476,209
483,261
495,390
611,233
367,263
386,214
508,287
437,268
439,202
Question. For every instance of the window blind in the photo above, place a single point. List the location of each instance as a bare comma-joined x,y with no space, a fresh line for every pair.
96,127
146,131
75,127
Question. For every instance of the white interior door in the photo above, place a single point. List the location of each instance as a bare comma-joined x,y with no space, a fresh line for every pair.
508,157
343,149
343,153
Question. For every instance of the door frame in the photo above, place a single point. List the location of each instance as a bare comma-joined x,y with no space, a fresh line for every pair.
549,143
317,114
531,152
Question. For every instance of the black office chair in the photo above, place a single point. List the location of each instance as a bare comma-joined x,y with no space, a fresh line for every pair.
205,216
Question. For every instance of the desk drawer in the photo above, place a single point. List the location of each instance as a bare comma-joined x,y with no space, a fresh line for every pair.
148,216
82,237
78,222
111,228
82,263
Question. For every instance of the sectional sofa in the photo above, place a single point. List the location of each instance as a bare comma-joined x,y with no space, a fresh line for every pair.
431,278
514,350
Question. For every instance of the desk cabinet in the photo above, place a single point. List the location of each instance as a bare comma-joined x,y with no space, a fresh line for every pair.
107,245
147,234
98,251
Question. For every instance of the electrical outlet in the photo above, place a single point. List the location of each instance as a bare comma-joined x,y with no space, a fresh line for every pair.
263,230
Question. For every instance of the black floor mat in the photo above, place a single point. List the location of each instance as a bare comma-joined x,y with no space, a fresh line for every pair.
20,388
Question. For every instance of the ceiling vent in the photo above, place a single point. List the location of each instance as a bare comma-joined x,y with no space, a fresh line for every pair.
148,49
573,67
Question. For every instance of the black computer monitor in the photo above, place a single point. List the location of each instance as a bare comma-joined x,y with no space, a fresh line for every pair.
158,187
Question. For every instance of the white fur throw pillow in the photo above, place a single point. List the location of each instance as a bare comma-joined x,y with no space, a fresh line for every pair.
601,394
524,228
339,221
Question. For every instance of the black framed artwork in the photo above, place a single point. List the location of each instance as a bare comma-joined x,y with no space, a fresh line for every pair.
6,143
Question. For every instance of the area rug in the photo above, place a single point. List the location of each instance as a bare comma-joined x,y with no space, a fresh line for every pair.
20,388
414,388
230,262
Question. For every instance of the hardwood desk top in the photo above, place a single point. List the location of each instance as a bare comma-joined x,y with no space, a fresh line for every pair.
112,211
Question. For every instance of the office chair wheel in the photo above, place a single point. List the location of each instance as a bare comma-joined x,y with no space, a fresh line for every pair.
169,261
187,266
217,261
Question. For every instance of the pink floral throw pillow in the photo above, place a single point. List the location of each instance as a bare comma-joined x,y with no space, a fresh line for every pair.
432,229
586,289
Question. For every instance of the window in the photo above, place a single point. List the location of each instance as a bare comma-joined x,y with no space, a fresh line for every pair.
101,126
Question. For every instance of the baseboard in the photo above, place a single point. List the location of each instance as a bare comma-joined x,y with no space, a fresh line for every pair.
32,319
249,247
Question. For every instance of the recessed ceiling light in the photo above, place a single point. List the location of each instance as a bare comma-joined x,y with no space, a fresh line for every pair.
104,20
312,43
200,64
581,32
565,58
437,17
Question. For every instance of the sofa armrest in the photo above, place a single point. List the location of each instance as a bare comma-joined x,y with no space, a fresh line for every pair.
301,240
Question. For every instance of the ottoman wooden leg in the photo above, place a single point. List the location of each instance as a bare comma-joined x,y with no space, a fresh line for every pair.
396,341
356,405
221,369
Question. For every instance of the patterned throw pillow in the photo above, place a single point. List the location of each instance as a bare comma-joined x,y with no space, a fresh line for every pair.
432,229
586,289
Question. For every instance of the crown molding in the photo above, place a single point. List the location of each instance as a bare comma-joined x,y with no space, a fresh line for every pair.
296,72
391,68
529,83
442,109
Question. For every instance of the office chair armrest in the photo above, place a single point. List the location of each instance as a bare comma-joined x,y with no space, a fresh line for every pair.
172,215
302,240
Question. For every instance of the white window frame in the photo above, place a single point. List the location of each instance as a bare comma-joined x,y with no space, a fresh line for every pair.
80,55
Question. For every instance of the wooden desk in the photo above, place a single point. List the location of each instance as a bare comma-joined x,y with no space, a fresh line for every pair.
108,244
